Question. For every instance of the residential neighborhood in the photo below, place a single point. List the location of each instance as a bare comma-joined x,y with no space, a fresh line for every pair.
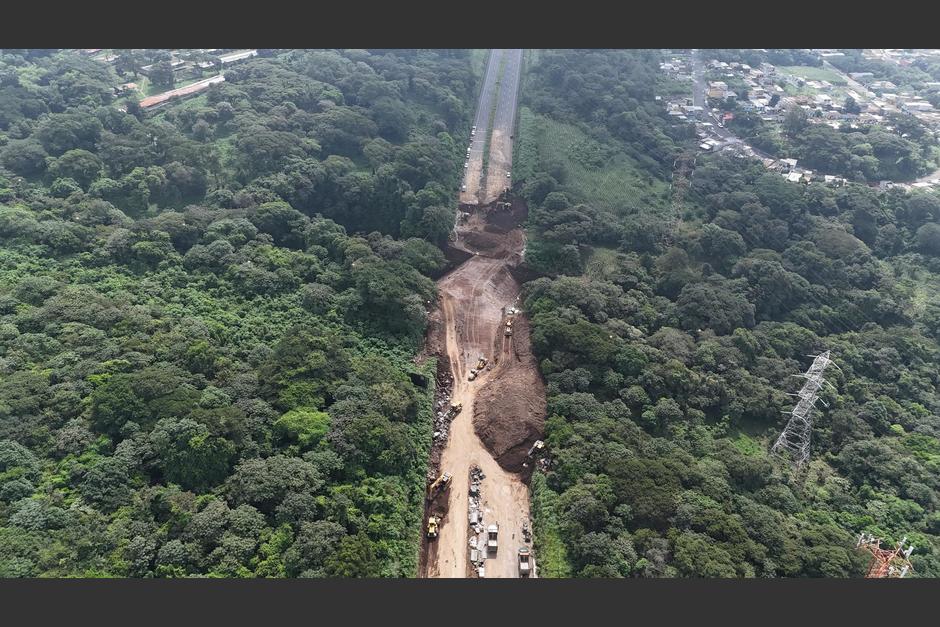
723,89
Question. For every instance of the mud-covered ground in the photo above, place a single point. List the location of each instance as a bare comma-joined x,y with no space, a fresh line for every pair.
504,407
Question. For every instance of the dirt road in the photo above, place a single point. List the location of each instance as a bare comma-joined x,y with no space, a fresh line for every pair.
473,301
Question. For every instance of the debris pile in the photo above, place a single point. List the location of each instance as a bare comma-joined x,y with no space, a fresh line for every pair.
477,539
443,411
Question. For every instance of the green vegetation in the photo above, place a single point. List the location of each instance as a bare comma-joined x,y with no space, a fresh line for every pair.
774,56
209,316
901,150
811,73
667,360
586,168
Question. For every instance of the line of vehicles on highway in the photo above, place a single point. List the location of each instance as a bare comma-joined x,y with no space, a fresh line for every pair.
466,164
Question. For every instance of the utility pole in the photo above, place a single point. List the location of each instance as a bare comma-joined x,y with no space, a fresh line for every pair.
794,442
886,563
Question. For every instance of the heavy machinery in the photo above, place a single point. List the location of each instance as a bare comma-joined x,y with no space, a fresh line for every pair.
472,375
508,327
525,566
491,532
455,409
481,363
433,526
441,483
537,448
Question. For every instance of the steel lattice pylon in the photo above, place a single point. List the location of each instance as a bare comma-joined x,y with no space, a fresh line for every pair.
886,563
794,442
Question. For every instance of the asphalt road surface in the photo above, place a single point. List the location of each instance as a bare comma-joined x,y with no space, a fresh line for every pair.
500,161
473,173
699,89
698,81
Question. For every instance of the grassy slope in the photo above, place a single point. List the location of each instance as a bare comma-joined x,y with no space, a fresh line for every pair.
618,184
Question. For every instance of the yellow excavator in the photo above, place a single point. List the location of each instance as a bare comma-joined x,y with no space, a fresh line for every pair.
439,484
481,363
536,449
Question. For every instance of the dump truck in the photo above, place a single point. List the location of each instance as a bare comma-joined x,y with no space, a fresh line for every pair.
508,327
439,484
491,532
524,564
433,526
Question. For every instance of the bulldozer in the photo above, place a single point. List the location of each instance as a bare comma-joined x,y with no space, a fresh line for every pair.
433,526
439,484
455,409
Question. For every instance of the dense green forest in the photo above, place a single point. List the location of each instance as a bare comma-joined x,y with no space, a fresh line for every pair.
668,356
209,313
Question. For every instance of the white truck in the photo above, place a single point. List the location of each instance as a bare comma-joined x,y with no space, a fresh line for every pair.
491,532
525,566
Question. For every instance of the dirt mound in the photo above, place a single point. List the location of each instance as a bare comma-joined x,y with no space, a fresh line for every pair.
503,220
509,412
483,241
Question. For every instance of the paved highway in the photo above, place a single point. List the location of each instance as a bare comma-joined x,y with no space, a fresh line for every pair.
500,160
474,172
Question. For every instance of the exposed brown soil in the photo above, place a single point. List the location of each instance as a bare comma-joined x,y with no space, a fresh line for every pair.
495,433
509,412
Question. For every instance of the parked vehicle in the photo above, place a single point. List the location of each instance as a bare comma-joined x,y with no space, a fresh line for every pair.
525,566
491,532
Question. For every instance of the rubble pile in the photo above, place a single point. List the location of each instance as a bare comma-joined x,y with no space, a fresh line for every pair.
442,413
477,539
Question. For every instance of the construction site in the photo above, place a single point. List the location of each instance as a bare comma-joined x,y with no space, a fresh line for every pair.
490,405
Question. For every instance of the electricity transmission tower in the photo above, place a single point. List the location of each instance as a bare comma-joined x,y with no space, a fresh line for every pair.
794,442
886,563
